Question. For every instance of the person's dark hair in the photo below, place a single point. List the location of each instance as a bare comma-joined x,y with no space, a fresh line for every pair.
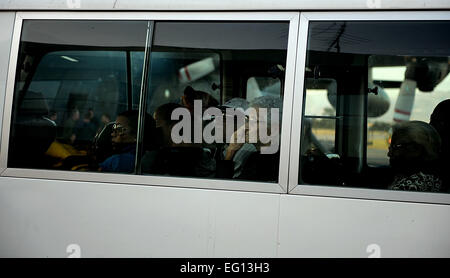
149,127
87,116
164,112
133,119
191,94
440,118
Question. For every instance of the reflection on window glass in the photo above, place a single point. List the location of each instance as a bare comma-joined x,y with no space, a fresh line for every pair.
210,74
171,72
73,81
383,95
423,105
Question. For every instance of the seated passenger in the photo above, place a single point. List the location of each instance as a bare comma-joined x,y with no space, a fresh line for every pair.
260,165
240,105
124,137
183,159
440,120
413,154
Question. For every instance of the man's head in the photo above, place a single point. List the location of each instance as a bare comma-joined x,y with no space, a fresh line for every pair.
163,113
164,123
190,95
125,128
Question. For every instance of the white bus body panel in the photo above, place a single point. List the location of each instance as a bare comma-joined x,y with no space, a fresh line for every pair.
40,218
218,5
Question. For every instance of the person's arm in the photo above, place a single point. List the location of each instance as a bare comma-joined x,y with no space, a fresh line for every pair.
225,168
236,142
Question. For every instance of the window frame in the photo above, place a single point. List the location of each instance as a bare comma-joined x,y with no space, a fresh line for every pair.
281,187
338,191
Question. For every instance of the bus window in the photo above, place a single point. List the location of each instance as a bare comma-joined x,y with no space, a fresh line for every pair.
200,71
73,78
370,90
78,103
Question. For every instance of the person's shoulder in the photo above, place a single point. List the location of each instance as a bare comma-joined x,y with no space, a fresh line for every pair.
106,165
419,181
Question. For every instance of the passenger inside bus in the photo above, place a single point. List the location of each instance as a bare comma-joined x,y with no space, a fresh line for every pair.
190,95
124,137
177,159
413,155
240,157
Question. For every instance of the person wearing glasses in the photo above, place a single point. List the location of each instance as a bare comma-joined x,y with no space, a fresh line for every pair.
413,155
124,137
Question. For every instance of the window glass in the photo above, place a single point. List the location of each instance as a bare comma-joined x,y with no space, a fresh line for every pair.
78,106
377,105
73,79
200,89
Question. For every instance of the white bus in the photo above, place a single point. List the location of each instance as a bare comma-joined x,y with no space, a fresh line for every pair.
88,88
